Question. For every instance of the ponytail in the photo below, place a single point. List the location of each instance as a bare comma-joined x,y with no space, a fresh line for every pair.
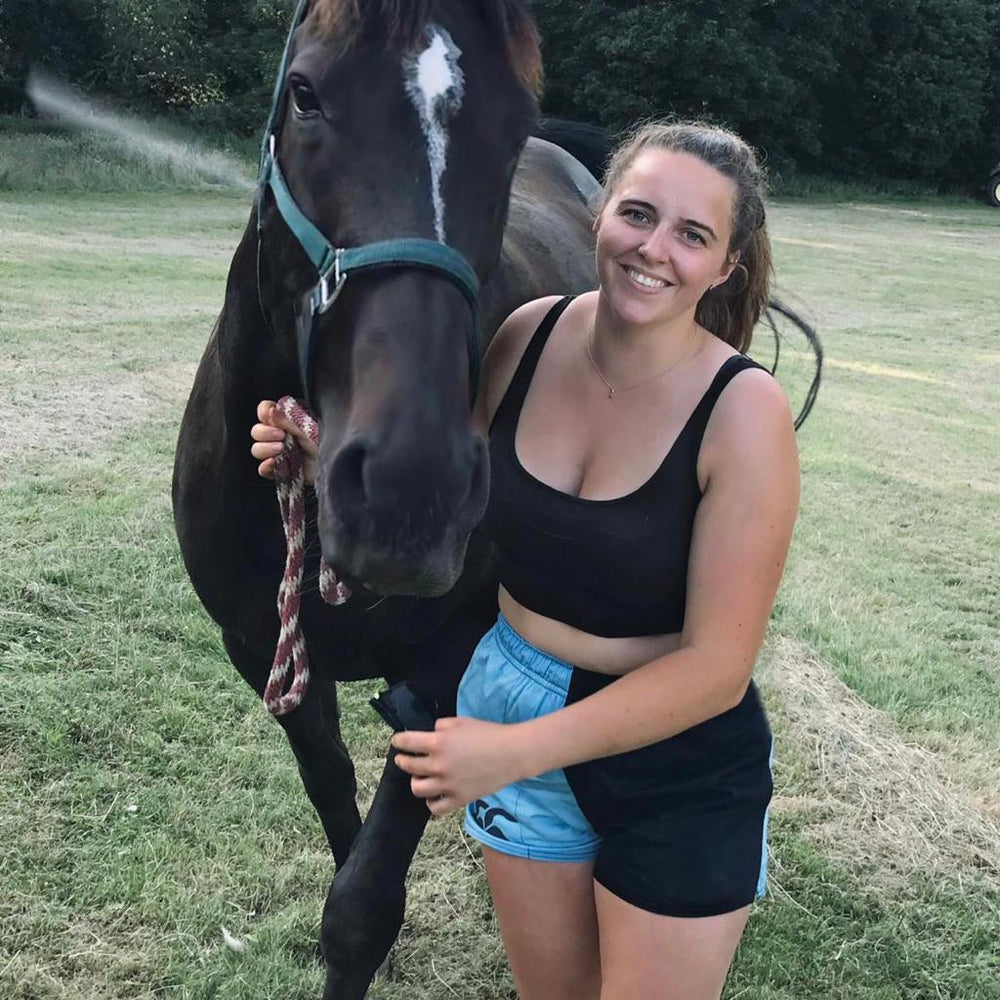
731,310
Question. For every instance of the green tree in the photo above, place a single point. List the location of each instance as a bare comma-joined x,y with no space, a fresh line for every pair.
66,36
212,63
902,89
910,97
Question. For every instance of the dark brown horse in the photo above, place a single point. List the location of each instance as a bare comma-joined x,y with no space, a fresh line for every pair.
393,119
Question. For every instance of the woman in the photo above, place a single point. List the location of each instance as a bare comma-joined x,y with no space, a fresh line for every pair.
610,747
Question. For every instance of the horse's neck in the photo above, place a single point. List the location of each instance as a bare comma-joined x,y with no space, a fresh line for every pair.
251,367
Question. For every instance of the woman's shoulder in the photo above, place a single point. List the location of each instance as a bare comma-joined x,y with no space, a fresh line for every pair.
751,420
506,349
743,385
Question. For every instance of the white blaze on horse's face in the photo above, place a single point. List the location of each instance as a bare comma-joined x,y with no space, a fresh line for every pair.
434,83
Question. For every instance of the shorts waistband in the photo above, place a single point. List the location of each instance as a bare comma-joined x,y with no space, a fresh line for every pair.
529,659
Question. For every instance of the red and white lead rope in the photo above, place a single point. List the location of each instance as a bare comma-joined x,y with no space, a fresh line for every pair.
289,477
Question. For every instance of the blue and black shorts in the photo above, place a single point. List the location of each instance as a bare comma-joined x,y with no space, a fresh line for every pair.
677,828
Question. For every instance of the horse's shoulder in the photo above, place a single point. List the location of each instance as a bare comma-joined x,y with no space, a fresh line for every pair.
505,351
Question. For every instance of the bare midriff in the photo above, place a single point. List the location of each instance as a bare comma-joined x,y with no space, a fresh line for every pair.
599,653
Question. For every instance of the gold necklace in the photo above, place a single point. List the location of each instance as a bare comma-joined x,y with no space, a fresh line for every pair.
628,388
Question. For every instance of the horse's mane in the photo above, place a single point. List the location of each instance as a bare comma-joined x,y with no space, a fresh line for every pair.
401,23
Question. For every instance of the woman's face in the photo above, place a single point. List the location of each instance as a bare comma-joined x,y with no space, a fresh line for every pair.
663,237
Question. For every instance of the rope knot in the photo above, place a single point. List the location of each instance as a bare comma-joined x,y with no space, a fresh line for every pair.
289,477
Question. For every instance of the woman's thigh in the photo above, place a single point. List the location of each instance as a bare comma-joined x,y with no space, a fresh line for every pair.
548,923
646,956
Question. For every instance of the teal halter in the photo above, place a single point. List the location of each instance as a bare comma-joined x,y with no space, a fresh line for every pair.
334,264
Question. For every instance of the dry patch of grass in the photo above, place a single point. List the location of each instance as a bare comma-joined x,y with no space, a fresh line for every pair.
98,957
880,806
54,413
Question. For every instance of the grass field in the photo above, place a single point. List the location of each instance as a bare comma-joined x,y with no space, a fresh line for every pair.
146,800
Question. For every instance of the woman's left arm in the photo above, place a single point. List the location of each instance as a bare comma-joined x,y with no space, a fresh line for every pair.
742,532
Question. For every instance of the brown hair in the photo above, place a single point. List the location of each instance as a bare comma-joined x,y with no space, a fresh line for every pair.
730,310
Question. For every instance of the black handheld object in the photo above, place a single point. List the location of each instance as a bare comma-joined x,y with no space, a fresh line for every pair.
404,707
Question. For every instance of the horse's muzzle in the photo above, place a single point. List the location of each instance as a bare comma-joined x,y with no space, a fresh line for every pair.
398,520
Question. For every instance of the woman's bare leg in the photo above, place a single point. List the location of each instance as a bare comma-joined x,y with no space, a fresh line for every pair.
548,923
645,956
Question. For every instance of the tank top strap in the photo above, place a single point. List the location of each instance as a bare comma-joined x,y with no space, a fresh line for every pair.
728,370
510,405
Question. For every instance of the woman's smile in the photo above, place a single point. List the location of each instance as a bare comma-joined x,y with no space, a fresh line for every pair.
644,280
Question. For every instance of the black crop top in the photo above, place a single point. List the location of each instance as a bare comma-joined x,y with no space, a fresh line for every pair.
613,567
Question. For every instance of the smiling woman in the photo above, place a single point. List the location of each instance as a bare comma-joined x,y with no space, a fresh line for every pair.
610,742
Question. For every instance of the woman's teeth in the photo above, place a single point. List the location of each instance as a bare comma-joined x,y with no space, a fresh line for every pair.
644,280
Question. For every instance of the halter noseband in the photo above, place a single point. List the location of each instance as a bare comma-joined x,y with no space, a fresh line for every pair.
334,264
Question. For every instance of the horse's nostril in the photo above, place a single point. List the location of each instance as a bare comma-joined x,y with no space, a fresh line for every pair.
347,478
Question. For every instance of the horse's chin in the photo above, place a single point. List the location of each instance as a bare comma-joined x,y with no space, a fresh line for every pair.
387,575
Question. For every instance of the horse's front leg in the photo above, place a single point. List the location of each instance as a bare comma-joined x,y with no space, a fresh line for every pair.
365,904
313,731
364,908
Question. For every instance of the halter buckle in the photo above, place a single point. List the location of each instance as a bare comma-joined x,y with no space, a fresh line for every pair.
327,297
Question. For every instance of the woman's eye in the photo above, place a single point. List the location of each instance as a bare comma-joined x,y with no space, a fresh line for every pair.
304,101
693,236
634,215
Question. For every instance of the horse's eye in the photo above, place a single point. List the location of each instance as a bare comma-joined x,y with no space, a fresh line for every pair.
304,100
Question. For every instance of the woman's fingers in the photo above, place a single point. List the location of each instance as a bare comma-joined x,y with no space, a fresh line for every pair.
266,449
426,788
266,432
420,767
413,741
438,800
271,427
414,755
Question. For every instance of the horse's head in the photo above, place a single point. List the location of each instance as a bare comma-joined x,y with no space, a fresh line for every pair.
400,119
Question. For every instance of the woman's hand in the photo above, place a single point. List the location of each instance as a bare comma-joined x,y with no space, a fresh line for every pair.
269,439
462,760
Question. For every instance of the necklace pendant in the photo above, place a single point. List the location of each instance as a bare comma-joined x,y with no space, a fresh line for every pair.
611,392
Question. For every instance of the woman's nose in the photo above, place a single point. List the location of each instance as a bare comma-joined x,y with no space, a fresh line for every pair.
655,248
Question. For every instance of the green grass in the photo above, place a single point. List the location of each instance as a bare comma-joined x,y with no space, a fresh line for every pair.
146,800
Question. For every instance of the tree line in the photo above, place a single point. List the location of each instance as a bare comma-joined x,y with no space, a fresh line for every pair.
906,89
